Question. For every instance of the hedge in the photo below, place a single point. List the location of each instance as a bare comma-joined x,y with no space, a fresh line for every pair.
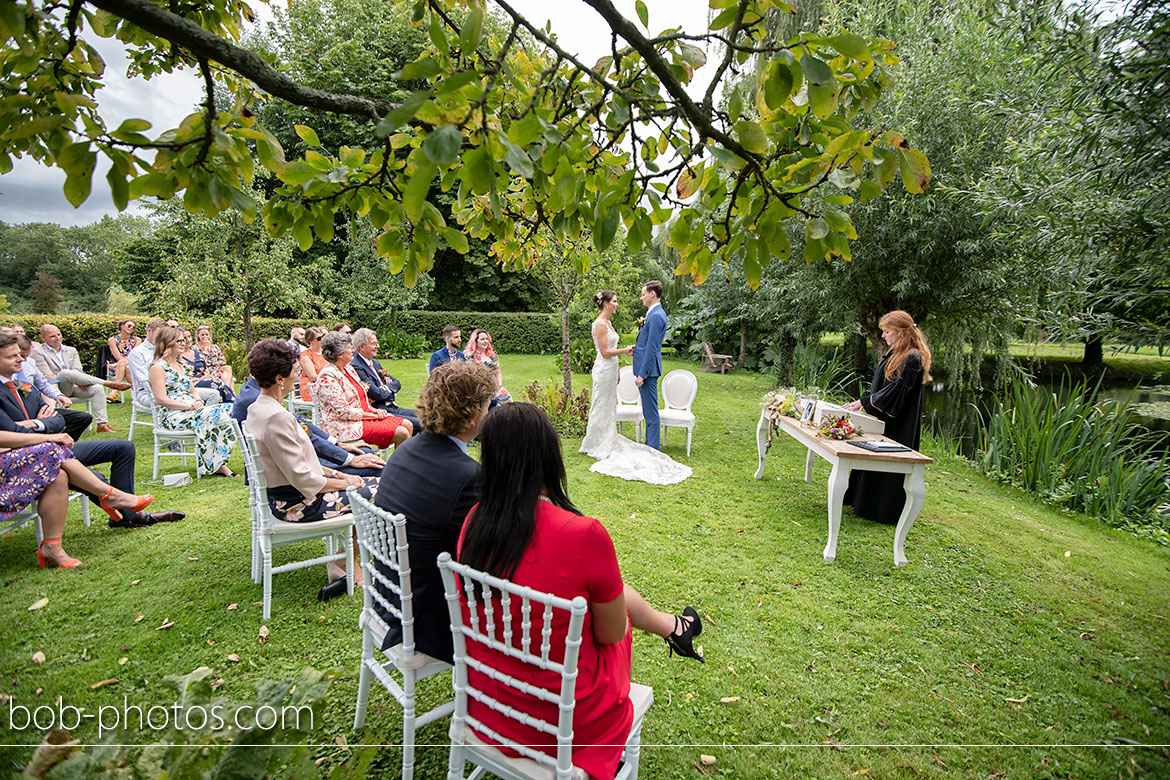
525,332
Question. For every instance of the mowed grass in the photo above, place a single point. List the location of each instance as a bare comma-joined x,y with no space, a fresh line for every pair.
1020,639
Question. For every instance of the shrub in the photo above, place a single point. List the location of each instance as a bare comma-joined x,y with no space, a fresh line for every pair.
568,412
400,345
523,332
581,355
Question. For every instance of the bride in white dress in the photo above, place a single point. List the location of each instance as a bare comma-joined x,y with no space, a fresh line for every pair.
618,456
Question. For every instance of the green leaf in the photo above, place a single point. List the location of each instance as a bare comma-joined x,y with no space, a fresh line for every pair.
456,240
693,55
641,232
604,229
415,193
119,189
734,105
442,146
915,170
777,84
869,191
471,31
423,68
816,71
822,100
851,45
298,172
726,158
525,131
403,114
752,136
133,126
643,14
438,35
817,228
518,160
77,159
680,234
456,81
308,135
77,187
478,170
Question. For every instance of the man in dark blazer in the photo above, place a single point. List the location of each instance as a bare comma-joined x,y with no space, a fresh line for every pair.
350,459
434,482
25,412
382,387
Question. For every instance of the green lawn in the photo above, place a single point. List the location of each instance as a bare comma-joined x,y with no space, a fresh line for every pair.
1015,631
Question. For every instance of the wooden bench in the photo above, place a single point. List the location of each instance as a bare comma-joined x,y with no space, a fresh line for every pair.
712,361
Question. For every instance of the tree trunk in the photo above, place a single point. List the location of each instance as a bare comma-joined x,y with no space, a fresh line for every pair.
743,328
857,350
565,353
247,293
1094,352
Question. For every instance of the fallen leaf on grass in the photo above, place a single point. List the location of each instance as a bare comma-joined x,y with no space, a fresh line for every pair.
38,691
1068,553
709,619
263,634
235,659
729,699
321,619
38,604
104,683
138,618
1017,701
211,641
38,658
341,741
939,761
257,603
883,725
165,625
217,683
122,661
233,606
707,760
860,772
135,582
192,560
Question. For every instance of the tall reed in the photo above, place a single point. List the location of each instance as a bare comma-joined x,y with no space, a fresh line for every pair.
1067,449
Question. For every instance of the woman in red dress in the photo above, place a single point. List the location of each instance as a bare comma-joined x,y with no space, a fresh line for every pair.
526,530
345,410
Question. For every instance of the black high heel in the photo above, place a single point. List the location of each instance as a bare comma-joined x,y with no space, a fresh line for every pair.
682,642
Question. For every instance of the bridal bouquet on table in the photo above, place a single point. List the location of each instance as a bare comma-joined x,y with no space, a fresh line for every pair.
777,404
837,427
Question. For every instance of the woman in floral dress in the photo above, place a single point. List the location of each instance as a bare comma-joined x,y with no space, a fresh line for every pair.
213,359
182,408
479,348
120,346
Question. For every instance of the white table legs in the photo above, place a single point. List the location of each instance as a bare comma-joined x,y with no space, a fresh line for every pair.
915,486
838,482
762,443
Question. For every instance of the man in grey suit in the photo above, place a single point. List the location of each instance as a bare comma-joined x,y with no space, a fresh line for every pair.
60,364
432,480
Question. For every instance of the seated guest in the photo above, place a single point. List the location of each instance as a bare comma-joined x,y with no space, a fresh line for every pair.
60,364
433,482
76,422
311,361
25,411
526,530
296,339
216,364
342,327
299,489
120,345
175,393
450,349
345,409
333,454
382,388
192,360
479,349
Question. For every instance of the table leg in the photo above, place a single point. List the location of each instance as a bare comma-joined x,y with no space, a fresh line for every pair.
809,460
761,443
838,482
915,486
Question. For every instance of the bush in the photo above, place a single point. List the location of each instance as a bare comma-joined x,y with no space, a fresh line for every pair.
522,332
400,345
568,412
581,355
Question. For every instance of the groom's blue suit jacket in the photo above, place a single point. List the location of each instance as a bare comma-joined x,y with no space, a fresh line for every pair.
648,347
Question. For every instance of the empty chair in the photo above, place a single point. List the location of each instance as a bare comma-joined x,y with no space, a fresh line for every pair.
629,405
678,393
492,603
384,549
304,408
137,410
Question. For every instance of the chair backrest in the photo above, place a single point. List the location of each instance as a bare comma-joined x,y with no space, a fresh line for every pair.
385,557
257,487
679,388
485,596
627,391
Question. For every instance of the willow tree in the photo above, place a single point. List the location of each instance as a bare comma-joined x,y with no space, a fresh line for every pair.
524,134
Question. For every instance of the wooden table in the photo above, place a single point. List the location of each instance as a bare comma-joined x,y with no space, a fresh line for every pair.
845,458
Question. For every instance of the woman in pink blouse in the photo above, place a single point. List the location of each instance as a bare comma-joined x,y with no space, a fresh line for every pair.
346,412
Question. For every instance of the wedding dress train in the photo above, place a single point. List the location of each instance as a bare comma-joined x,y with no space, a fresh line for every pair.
618,456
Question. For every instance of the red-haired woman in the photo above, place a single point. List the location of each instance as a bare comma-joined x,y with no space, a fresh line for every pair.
895,397
479,348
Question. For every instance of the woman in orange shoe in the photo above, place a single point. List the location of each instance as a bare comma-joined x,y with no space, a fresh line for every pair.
41,467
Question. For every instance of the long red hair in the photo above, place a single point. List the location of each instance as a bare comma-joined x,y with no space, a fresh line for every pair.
473,344
910,340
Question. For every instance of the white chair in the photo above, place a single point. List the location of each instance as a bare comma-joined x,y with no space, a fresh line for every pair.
32,513
383,546
678,393
269,532
519,642
257,559
629,403
304,408
137,410
163,436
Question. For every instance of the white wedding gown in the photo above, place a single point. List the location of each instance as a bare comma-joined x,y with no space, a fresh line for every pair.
618,456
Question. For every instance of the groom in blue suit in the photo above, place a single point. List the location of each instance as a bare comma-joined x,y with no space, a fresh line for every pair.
648,359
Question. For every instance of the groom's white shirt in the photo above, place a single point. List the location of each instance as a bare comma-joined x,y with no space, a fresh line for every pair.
657,305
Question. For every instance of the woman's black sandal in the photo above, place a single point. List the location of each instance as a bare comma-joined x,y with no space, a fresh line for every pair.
682,642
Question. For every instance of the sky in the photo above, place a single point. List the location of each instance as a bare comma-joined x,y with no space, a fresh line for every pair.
32,192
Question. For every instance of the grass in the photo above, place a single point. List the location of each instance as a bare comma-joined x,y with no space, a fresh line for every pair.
1016,631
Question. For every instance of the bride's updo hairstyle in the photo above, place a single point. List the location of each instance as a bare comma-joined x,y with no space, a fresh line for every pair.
603,297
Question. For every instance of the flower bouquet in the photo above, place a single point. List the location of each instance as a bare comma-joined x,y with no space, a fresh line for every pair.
836,427
777,404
